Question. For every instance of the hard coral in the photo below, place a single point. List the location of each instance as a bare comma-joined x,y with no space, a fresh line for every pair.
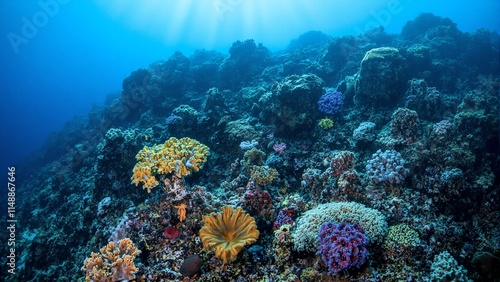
342,246
178,157
228,232
112,263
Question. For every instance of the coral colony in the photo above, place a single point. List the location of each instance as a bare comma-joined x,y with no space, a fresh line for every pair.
331,102
357,158
342,246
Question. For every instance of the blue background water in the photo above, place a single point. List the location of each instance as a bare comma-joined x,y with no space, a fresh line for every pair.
60,57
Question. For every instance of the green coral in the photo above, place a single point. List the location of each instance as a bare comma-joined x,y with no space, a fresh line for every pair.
401,235
326,123
253,156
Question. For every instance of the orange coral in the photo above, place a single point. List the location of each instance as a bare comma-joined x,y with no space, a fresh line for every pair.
228,232
181,210
112,263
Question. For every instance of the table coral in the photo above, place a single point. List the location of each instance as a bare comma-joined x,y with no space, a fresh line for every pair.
228,232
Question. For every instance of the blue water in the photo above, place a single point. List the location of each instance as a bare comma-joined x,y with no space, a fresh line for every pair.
59,57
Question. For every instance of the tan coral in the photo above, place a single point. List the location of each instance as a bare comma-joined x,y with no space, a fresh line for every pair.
228,232
112,263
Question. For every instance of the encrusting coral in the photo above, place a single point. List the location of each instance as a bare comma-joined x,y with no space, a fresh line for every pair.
112,263
178,157
228,232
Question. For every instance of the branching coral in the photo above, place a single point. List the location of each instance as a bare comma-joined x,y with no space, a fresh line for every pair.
228,232
177,157
112,263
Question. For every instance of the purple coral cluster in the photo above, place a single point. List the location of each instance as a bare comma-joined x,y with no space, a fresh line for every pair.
331,102
285,216
387,166
342,246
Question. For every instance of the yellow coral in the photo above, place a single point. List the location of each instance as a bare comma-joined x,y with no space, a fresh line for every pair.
112,263
263,175
177,156
401,235
228,232
326,123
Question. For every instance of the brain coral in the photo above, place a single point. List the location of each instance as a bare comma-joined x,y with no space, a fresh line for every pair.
228,232
305,236
177,156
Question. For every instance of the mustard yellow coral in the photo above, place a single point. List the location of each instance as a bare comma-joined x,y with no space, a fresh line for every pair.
228,232
112,263
326,123
263,175
178,157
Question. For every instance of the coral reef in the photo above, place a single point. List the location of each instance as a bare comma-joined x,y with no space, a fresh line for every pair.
414,146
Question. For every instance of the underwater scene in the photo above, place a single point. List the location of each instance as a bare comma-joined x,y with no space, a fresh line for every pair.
368,155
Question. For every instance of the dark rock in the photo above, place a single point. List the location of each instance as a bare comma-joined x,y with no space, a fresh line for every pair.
190,265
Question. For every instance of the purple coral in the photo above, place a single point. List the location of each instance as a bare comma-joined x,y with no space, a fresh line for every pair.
342,246
387,166
285,216
331,102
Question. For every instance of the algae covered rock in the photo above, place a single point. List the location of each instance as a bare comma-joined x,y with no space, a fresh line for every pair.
292,103
380,81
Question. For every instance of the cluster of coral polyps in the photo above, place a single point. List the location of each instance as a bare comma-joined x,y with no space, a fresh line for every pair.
178,157
112,263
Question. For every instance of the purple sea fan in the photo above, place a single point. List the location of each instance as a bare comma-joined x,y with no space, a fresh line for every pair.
342,246
331,102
